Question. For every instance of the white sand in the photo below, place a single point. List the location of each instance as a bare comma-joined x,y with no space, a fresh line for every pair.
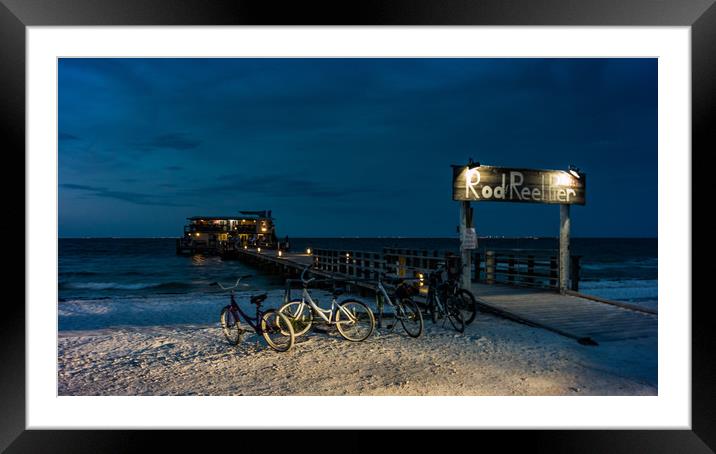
493,357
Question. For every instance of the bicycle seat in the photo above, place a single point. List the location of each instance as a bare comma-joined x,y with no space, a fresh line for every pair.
258,299
338,292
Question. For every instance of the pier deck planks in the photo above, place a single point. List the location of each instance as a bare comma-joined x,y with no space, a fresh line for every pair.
577,316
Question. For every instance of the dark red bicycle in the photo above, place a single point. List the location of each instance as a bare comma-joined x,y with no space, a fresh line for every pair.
275,327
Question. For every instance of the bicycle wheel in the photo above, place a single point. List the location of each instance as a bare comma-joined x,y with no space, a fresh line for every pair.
300,315
230,325
354,320
454,315
410,317
276,328
465,301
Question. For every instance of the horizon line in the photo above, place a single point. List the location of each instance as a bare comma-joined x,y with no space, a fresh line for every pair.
365,237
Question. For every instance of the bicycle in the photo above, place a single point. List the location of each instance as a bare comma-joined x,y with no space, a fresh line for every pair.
463,298
405,309
353,319
441,305
275,327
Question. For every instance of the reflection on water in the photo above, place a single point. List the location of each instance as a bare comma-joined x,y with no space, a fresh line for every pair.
203,260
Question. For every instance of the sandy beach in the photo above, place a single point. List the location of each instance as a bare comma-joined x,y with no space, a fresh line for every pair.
492,357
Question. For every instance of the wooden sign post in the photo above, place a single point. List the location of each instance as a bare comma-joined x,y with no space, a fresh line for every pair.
478,183
465,249
564,227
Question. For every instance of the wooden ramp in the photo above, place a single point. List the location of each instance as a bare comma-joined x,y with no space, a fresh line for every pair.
569,315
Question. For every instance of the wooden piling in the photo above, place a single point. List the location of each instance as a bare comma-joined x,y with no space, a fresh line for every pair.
564,231
465,254
530,269
575,269
553,271
478,261
511,269
490,267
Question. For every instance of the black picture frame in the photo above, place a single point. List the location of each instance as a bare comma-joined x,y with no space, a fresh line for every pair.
700,15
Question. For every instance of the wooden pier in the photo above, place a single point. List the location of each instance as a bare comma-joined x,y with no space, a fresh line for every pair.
573,315
292,265
589,320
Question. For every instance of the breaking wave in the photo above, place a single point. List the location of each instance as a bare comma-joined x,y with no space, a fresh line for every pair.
121,286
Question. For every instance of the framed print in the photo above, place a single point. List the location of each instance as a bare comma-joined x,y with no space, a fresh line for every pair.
232,206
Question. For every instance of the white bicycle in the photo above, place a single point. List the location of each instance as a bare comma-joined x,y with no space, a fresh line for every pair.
353,319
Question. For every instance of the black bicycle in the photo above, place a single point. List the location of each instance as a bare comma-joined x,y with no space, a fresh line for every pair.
462,298
404,309
440,304
275,327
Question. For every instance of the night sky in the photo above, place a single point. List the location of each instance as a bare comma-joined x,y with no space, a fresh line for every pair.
350,147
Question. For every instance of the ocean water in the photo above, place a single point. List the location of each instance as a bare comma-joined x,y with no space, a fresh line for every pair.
104,282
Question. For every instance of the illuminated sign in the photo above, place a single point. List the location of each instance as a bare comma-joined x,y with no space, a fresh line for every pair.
502,184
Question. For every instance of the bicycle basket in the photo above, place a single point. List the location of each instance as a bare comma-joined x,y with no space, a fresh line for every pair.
434,278
453,267
406,290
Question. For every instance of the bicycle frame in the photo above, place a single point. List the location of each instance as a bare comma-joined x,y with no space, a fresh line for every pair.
452,286
253,322
398,308
384,293
435,295
330,318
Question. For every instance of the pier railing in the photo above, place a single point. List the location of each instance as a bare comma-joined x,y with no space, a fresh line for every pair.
411,262
359,264
517,267
529,268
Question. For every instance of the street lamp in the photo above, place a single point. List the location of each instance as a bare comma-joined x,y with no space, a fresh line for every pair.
472,165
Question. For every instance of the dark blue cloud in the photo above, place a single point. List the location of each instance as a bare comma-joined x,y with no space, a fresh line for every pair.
131,197
173,141
82,187
286,185
66,136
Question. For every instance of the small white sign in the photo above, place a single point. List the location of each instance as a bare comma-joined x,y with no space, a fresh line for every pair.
468,239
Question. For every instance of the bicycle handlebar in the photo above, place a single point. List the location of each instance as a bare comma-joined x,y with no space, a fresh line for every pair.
303,279
233,286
